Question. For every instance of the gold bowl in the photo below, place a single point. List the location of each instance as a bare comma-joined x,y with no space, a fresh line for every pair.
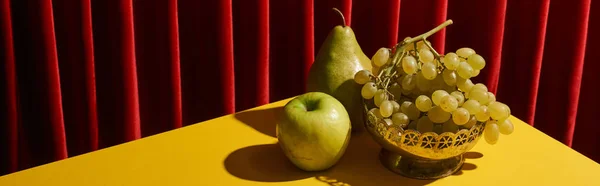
421,155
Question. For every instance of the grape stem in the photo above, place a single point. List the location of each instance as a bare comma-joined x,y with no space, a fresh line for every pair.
341,15
399,52
435,53
429,33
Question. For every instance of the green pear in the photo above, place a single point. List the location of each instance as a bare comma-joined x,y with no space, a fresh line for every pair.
332,72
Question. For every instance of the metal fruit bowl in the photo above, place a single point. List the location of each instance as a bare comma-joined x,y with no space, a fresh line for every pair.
421,155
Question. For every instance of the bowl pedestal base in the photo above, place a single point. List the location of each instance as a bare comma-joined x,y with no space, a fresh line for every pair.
420,168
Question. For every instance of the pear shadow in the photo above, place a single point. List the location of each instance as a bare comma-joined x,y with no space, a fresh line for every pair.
257,119
359,166
472,155
468,166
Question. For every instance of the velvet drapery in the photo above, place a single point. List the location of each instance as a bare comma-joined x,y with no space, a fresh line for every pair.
80,75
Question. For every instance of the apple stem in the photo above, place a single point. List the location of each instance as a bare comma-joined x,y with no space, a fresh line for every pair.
341,15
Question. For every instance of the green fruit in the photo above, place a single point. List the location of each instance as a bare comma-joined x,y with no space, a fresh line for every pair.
313,131
338,60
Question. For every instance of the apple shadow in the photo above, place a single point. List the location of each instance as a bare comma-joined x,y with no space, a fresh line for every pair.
360,165
257,119
264,163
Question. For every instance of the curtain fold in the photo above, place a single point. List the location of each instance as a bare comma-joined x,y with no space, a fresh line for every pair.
41,129
585,138
563,65
82,75
76,63
8,108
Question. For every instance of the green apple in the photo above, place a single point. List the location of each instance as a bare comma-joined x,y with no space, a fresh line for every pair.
313,131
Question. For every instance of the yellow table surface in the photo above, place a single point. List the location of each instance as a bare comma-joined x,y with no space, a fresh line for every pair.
240,149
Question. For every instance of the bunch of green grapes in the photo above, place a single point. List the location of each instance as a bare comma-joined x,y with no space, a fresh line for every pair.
417,88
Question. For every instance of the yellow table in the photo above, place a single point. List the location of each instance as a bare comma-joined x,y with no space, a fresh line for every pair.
240,149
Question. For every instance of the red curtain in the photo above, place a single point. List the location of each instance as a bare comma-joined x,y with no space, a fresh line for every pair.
79,75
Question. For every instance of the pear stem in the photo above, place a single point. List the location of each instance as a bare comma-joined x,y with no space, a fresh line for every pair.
341,15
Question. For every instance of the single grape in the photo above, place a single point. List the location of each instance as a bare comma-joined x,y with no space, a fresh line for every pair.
437,96
464,85
451,61
450,126
409,82
459,97
396,106
449,77
380,96
449,103
423,103
409,64
376,112
491,97
381,57
491,132
424,124
400,119
465,52
429,70
483,114
368,90
506,127
464,70
478,95
422,83
479,86
475,73
476,61
425,55
472,106
396,90
413,112
362,77
498,111
386,108
460,116
470,123
438,115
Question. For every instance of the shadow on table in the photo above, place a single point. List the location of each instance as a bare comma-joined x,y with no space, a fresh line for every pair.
359,165
256,119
